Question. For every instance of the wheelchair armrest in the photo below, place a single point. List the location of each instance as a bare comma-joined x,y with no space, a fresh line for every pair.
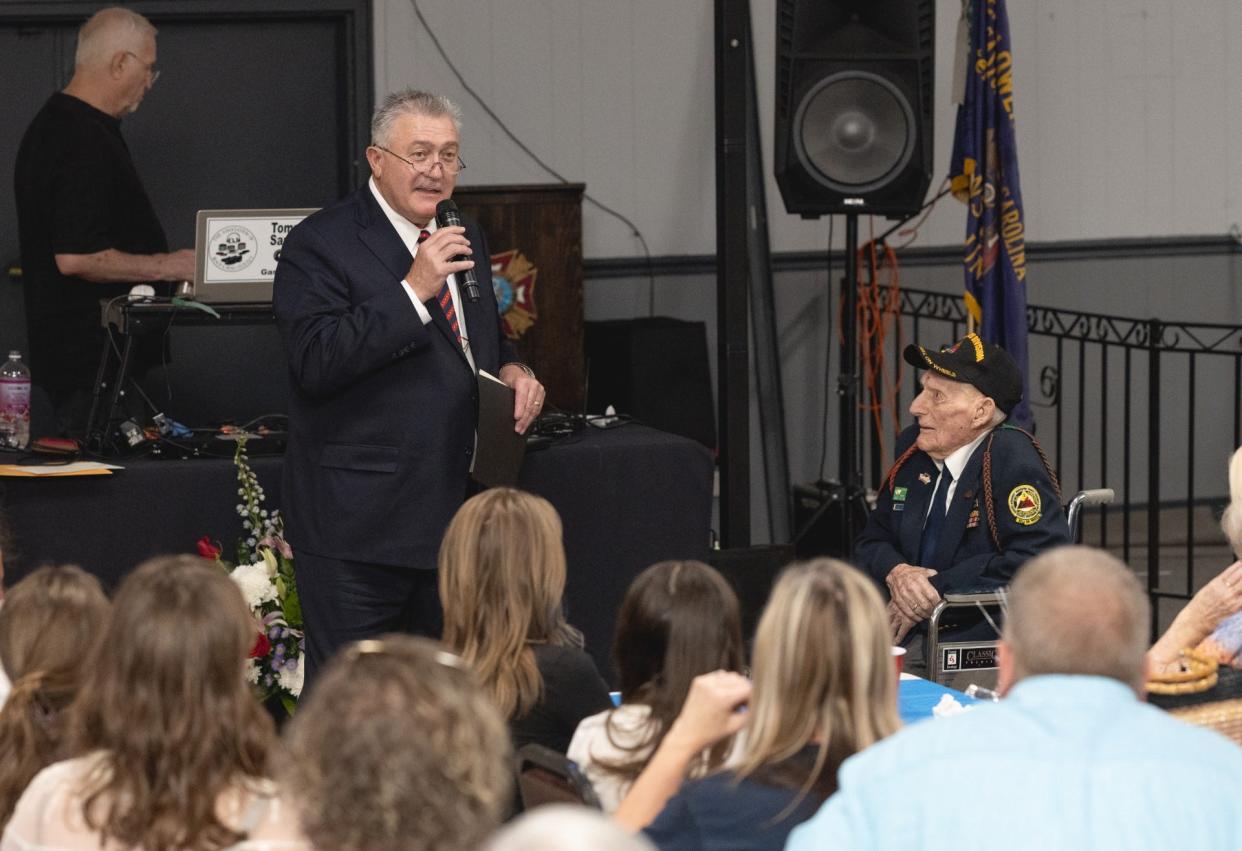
969,599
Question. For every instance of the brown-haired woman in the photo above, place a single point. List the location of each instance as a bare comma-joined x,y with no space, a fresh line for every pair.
824,689
174,746
502,576
49,626
399,748
679,619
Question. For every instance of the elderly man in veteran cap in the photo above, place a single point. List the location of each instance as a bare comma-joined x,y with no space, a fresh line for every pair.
969,499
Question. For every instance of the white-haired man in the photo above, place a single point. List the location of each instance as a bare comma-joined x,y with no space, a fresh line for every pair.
969,498
1071,758
383,352
88,230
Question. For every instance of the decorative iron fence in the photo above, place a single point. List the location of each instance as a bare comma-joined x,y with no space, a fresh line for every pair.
1148,407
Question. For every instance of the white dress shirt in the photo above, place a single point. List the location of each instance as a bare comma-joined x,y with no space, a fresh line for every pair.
956,462
408,231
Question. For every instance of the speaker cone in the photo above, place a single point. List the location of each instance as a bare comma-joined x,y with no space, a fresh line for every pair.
854,131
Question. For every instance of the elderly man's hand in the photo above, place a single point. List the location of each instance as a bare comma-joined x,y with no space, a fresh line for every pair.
912,592
899,623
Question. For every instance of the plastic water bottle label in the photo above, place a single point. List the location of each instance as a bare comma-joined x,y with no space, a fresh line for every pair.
15,411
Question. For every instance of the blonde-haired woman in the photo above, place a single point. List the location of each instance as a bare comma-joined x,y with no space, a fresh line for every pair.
824,688
502,578
1212,620
49,626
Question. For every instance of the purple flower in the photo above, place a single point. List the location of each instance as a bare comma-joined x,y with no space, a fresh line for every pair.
291,664
279,652
274,633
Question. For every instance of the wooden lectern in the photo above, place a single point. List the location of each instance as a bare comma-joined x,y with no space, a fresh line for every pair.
534,234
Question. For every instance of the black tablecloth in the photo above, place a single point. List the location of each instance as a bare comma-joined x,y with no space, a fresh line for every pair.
628,497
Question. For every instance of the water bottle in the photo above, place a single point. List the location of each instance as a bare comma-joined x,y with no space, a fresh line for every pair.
15,402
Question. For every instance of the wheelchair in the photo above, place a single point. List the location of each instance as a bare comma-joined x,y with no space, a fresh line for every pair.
959,663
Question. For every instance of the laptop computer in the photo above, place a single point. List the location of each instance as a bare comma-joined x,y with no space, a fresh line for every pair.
236,251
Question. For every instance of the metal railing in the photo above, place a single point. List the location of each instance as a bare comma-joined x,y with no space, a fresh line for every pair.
1148,407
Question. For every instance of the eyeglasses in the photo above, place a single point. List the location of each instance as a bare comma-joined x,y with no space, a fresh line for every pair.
150,66
423,162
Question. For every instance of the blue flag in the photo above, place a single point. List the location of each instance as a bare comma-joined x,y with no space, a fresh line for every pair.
984,175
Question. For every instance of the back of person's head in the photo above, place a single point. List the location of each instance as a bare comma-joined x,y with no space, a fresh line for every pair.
108,32
1076,610
1231,520
564,827
166,699
679,619
398,747
502,577
822,670
50,624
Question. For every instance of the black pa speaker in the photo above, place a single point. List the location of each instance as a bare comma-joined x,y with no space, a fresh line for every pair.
655,370
854,105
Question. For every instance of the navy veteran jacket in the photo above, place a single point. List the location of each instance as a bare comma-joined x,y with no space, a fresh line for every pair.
1025,508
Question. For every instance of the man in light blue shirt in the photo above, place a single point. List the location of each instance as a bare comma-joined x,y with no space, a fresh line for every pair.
1071,758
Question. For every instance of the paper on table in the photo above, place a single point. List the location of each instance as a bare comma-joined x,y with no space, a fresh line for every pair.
51,471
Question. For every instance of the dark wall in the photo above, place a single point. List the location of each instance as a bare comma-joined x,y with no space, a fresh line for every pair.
257,105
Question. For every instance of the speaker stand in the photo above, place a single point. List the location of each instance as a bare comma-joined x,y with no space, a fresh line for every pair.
850,464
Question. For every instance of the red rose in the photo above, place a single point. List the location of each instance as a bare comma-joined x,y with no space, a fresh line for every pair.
207,549
261,647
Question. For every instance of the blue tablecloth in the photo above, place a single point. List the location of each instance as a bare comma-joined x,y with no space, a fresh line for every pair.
916,698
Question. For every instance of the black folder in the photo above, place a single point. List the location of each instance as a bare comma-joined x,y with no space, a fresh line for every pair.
499,450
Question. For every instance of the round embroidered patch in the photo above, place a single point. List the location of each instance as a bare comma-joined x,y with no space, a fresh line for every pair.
1024,504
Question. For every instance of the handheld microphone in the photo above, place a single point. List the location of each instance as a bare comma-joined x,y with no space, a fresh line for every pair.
447,216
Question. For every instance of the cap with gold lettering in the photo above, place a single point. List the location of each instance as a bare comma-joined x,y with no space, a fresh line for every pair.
971,360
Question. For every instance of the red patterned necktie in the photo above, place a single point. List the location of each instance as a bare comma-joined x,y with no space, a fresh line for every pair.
445,298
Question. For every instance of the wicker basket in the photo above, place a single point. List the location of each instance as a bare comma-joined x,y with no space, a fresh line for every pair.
1223,716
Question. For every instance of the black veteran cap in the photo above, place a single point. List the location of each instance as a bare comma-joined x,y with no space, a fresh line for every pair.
988,367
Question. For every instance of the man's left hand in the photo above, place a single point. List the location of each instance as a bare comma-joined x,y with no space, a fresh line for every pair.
911,590
528,395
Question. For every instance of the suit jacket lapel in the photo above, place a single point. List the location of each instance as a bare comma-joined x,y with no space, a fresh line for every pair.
378,234
964,497
918,496
438,319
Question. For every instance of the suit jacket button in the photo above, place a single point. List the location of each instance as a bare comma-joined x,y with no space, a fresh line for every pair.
469,451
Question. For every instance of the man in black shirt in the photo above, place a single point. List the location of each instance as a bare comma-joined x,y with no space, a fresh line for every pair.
87,228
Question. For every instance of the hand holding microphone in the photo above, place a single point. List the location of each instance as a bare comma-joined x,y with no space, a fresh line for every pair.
446,252
448,216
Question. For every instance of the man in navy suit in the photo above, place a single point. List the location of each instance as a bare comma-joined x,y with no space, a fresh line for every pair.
383,350
969,498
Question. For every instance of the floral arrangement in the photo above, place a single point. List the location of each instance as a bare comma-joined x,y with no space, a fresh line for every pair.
263,570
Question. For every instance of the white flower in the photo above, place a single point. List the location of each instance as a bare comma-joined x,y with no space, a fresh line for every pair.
252,671
255,583
292,681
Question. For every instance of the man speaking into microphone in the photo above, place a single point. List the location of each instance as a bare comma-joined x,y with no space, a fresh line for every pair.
384,339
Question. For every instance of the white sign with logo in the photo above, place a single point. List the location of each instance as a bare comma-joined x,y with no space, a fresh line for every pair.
236,252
